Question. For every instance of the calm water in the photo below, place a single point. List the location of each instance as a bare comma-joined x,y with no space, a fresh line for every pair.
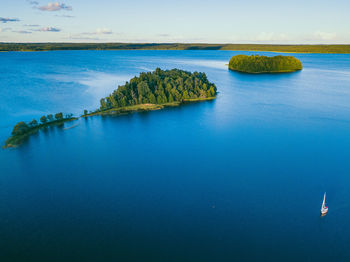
236,179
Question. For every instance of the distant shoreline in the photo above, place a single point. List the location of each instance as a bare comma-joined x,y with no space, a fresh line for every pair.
308,49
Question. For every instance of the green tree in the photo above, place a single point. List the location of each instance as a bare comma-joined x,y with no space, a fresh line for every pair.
50,117
59,116
20,129
43,119
33,123
185,95
103,104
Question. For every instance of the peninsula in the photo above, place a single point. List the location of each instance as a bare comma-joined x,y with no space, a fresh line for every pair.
23,130
256,64
149,91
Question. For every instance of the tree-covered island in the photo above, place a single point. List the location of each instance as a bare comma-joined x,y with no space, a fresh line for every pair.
23,130
256,64
149,91
157,89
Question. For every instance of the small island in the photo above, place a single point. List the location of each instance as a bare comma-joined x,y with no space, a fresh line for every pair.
149,91
23,130
156,90
256,64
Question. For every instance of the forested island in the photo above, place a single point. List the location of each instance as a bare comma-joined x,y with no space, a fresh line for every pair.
157,89
256,64
149,91
330,49
23,130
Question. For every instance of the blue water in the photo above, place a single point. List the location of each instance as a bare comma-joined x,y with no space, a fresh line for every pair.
240,178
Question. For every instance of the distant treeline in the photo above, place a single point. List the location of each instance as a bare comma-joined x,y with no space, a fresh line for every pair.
160,87
344,49
264,64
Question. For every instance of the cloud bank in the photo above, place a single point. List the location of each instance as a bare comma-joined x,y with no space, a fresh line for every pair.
6,20
49,29
100,31
22,32
55,7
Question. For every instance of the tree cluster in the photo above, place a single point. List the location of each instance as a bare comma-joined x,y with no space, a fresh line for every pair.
22,127
160,87
264,64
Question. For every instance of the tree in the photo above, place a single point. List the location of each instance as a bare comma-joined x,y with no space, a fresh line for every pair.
185,95
43,119
59,116
211,92
33,123
20,129
85,112
152,98
50,117
103,104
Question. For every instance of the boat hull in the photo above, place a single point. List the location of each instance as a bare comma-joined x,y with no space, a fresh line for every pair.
324,211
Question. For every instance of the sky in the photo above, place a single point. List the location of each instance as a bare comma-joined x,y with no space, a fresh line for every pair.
180,21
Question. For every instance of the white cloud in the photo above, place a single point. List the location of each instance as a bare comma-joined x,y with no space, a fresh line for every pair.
270,37
99,31
103,31
55,7
66,16
319,35
5,20
22,32
49,29
32,2
31,25
78,37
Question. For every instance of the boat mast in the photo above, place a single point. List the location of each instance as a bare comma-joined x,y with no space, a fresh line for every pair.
324,200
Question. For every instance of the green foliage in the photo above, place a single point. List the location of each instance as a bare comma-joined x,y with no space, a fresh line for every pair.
160,87
23,130
264,64
33,123
20,129
59,116
43,119
50,117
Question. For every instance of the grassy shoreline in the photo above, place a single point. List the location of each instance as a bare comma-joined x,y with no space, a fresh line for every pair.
143,107
30,47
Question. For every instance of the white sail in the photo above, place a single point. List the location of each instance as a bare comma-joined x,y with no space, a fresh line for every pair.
324,201
324,208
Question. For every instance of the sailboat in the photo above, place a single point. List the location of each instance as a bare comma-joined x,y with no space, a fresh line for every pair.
324,208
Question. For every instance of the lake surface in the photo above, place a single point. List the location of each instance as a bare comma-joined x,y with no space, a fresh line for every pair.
240,178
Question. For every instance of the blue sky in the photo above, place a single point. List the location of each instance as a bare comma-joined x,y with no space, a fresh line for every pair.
219,21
